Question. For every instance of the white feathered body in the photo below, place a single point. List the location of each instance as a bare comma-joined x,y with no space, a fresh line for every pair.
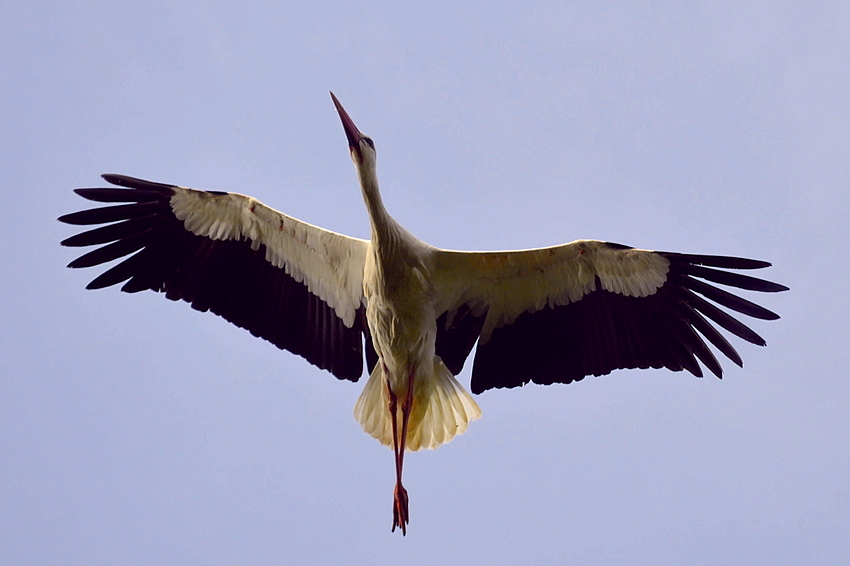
401,310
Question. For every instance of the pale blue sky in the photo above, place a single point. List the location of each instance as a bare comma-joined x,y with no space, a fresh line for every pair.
134,430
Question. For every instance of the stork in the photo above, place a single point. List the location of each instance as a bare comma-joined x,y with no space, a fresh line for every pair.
414,311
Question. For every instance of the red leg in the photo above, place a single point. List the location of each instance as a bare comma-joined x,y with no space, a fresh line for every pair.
400,512
393,407
400,494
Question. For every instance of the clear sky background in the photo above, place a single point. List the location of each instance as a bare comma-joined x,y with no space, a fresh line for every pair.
134,430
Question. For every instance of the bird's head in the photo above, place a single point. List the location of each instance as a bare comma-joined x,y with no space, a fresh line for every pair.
361,146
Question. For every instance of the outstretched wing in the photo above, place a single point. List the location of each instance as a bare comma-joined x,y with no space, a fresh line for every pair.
556,315
296,285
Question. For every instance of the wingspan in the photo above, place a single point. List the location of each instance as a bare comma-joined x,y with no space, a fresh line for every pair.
556,315
296,285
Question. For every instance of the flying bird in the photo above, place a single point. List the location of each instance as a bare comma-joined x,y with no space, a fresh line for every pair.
411,310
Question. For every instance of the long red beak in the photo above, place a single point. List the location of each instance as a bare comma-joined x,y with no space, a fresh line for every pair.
351,132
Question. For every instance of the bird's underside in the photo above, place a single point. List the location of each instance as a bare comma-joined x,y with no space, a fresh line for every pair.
549,315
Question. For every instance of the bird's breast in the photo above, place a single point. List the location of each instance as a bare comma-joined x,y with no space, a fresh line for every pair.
400,311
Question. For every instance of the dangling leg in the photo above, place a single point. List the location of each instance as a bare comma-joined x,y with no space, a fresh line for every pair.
400,515
400,494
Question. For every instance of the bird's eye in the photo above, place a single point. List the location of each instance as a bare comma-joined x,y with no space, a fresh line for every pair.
370,142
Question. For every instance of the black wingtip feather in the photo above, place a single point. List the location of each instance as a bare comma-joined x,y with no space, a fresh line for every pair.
107,214
728,300
722,318
110,232
712,335
726,262
118,195
732,279
116,249
135,183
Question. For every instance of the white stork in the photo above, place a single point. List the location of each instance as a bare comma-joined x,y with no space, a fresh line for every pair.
547,315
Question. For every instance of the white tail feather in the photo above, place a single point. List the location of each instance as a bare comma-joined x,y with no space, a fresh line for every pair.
442,409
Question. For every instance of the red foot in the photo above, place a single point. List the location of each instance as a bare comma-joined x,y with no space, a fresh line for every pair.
400,515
